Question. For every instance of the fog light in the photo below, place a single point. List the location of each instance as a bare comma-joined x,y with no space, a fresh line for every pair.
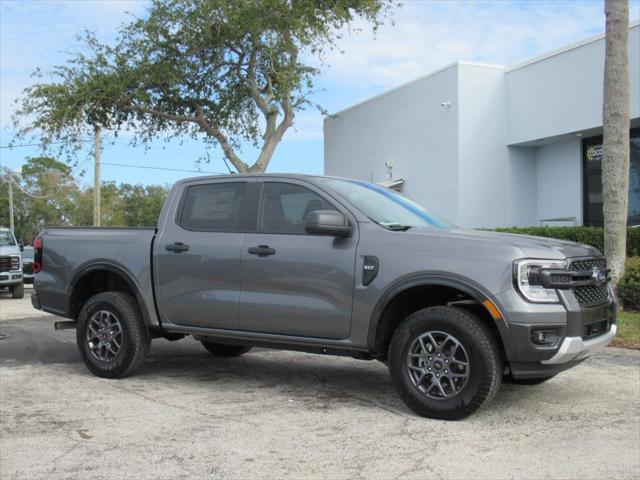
544,336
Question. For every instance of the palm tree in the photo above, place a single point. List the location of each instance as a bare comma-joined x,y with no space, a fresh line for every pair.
615,121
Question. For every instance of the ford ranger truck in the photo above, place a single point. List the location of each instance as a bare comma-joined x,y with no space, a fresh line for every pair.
331,266
11,264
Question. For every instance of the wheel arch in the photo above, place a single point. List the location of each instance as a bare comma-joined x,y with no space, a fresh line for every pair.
101,277
444,286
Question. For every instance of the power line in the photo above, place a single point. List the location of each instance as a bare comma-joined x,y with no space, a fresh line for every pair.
13,180
43,144
160,168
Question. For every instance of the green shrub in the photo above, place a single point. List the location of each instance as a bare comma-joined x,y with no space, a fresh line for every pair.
629,287
593,236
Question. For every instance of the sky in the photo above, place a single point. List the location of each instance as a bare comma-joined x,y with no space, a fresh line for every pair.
423,36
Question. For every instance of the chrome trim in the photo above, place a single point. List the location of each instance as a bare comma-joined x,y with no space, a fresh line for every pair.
574,348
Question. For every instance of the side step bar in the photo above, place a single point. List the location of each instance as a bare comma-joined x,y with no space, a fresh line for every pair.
71,324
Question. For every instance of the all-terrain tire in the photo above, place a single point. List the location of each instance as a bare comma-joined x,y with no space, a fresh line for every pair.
485,370
134,341
17,291
224,350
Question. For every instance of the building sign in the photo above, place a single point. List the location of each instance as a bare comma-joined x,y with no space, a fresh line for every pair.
593,153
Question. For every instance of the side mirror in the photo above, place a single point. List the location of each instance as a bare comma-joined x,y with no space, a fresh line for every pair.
21,245
328,222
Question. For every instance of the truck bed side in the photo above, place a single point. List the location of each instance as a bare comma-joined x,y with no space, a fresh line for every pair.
72,255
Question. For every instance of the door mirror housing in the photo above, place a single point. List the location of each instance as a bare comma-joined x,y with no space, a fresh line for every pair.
328,222
21,245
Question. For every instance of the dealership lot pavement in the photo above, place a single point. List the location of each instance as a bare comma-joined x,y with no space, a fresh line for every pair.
273,414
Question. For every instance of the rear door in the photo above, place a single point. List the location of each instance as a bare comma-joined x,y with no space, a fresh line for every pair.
198,255
294,283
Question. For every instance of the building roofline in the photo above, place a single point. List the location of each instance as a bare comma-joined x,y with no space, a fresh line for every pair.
566,48
392,90
457,63
415,80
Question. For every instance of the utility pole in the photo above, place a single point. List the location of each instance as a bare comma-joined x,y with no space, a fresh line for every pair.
96,176
10,178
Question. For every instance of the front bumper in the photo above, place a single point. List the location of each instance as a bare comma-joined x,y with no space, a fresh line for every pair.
577,332
8,279
575,348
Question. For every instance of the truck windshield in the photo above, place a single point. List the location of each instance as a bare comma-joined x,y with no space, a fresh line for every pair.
384,206
6,239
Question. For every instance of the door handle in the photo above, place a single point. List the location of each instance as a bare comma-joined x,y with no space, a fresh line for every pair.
262,250
177,247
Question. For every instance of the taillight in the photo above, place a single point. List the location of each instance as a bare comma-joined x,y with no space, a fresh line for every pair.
37,255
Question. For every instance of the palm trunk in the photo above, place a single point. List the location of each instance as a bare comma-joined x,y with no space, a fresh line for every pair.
615,121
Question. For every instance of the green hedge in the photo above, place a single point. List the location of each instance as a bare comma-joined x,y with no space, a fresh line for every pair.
593,236
629,287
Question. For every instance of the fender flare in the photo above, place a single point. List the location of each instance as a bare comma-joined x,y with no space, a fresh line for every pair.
443,279
116,269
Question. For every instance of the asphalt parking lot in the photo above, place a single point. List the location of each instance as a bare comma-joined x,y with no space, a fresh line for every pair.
272,414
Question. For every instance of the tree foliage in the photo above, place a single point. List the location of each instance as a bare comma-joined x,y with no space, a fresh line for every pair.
228,72
67,203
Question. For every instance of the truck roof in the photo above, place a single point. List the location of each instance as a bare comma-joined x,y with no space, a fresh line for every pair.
299,176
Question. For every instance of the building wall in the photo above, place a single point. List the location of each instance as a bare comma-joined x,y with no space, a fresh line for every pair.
497,183
559,181
406,126
562,93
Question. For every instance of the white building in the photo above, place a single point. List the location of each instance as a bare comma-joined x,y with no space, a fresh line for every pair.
488,145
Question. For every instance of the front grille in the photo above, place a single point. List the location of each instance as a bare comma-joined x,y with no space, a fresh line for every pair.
590,295
9,263
27,267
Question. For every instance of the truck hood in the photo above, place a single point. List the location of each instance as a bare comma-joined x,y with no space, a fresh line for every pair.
521,245
9,250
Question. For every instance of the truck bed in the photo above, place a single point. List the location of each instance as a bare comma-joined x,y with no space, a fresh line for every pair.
71,252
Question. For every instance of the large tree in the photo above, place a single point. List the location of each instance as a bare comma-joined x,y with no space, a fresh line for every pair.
231,72
615,149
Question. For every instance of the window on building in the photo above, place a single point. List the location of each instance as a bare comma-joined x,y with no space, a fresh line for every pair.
213,207
592,184
285,207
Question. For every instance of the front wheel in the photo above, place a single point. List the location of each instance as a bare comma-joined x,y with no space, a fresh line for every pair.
445,363
111,335
17,291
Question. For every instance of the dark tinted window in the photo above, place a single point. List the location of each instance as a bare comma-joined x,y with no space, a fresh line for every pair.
214,207
592,153
285,207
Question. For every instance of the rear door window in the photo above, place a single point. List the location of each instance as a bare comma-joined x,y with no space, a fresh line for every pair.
214,207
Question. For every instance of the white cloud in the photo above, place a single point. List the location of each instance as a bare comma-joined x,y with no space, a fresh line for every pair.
429,35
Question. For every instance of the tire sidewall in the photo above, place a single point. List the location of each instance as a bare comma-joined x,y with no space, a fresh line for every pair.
478,384
120,364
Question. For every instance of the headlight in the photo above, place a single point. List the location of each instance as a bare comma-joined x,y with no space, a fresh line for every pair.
525,274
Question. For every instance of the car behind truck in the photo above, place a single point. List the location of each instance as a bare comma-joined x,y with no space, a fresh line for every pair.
11,264
331,266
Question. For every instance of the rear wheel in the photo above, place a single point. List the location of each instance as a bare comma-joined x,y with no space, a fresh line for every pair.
111,335
224,350
444,363
17,291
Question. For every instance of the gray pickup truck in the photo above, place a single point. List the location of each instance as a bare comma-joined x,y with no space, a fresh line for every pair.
331,266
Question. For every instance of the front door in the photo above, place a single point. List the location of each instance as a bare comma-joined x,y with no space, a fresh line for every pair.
198,256
294,283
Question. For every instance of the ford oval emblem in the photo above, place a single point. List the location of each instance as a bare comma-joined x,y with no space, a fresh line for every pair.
599,277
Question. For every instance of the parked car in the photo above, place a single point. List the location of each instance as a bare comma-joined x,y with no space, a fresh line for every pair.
27,264
331,266
10,264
